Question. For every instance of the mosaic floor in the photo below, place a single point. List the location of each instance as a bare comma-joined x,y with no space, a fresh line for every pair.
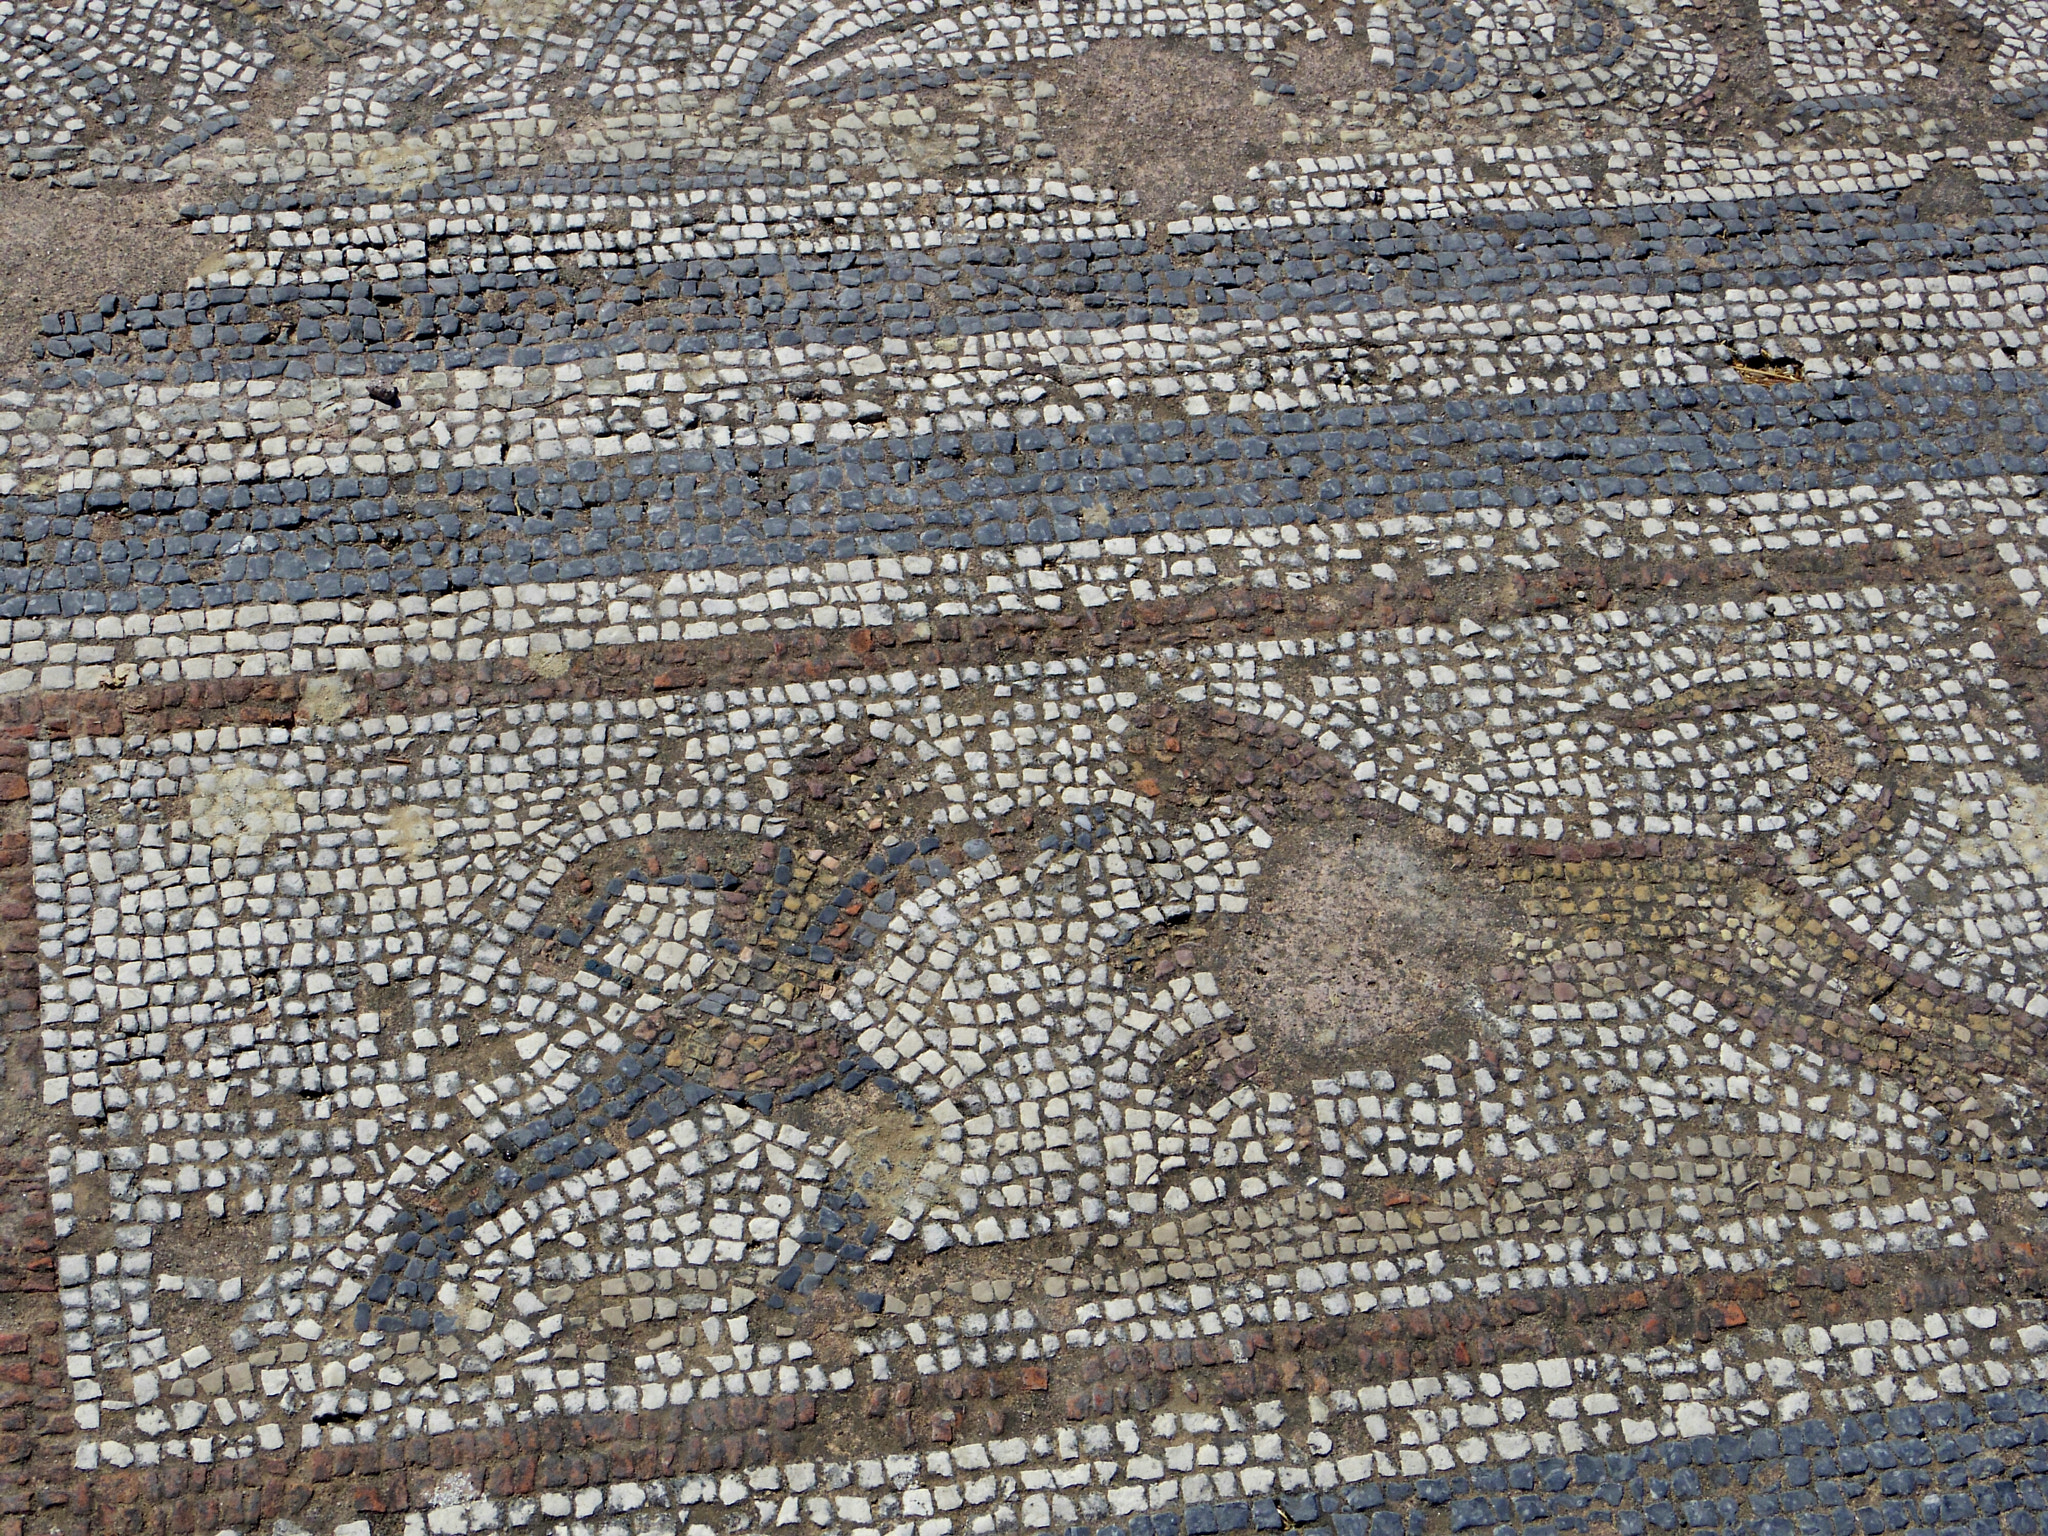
924,768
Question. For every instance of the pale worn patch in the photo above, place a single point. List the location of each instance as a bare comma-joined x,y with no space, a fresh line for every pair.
327,700
238,810
891,1148
522,16
410,832
452,1491
2027,814
408,162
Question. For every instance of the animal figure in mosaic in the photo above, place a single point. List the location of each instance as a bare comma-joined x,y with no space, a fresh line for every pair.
939,1024
663,1033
